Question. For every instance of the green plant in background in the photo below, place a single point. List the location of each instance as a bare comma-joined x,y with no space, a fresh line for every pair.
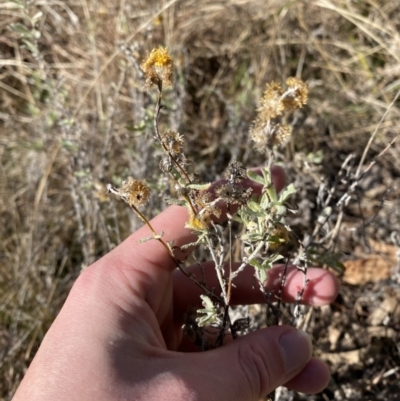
257,207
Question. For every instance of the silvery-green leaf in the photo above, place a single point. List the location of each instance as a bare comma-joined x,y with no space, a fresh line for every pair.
254,206
173,201
235,217
267,175
207,303
21,29
209,311
30,46
287,192
256,177
280,210
258,214
36,34
255,263
37,17
264,201
275,258
199,187
262,275
266,265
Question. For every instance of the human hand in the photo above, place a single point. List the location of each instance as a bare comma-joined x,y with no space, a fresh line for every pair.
118,335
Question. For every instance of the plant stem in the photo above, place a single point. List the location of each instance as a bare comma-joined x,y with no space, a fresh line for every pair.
156,116
178,263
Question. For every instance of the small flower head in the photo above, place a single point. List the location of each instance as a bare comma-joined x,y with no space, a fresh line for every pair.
270,135
233,193
210,210
196,223
281,135
235,172
202,199
278,236
266,133
202,220
158,68
297,94
135,192
173,142
271,103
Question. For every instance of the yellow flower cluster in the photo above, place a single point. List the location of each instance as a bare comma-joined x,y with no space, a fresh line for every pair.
202,220
195,223
279,236
158,68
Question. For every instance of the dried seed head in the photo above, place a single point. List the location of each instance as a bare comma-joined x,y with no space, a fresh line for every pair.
271,104
258,133
235,172
233,193
296,95
266,133
202,199
270,135
173,142
158,68
135,192
281,135
208,211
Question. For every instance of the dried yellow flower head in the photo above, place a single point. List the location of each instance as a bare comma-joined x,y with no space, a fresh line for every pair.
196,223
135,192
270,135
158,68
297,94
266,133
202,220
281,135
279,236
271,103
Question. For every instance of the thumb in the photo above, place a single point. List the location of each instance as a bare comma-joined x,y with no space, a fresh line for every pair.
254,365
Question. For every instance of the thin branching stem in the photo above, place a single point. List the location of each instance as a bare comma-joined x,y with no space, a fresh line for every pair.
218,268
157,131
245,262
229,290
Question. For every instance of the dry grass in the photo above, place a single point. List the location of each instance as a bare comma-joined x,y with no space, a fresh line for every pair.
74,117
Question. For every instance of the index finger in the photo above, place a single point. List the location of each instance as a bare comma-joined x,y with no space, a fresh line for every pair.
321,289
